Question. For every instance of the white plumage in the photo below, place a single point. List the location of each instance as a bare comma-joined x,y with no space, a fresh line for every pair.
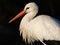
40,27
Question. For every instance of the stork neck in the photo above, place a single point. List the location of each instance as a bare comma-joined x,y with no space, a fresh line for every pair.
28,17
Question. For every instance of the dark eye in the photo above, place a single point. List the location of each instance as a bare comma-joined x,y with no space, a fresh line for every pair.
27,8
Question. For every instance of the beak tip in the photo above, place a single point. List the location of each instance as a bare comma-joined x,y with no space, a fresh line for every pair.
9,22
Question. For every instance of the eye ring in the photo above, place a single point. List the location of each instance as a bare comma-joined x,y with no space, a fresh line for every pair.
27,8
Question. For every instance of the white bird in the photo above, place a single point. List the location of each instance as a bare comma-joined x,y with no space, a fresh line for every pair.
40,28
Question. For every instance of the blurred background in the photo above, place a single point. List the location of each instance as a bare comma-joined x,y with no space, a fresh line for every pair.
9,33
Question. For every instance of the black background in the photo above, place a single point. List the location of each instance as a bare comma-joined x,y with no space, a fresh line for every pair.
9,33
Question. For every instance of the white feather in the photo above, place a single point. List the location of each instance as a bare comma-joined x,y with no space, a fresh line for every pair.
40,27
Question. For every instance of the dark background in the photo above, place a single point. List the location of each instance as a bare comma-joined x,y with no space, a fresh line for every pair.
9,33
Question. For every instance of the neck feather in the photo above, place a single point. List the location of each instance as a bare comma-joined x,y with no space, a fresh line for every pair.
28,17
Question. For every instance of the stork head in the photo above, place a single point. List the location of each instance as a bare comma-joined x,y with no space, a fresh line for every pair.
30,7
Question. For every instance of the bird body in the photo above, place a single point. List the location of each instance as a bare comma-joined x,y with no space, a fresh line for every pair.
40,28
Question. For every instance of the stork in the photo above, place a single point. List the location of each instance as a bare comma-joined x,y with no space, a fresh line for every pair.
42,27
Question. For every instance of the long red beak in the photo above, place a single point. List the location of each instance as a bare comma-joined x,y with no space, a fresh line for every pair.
17,16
